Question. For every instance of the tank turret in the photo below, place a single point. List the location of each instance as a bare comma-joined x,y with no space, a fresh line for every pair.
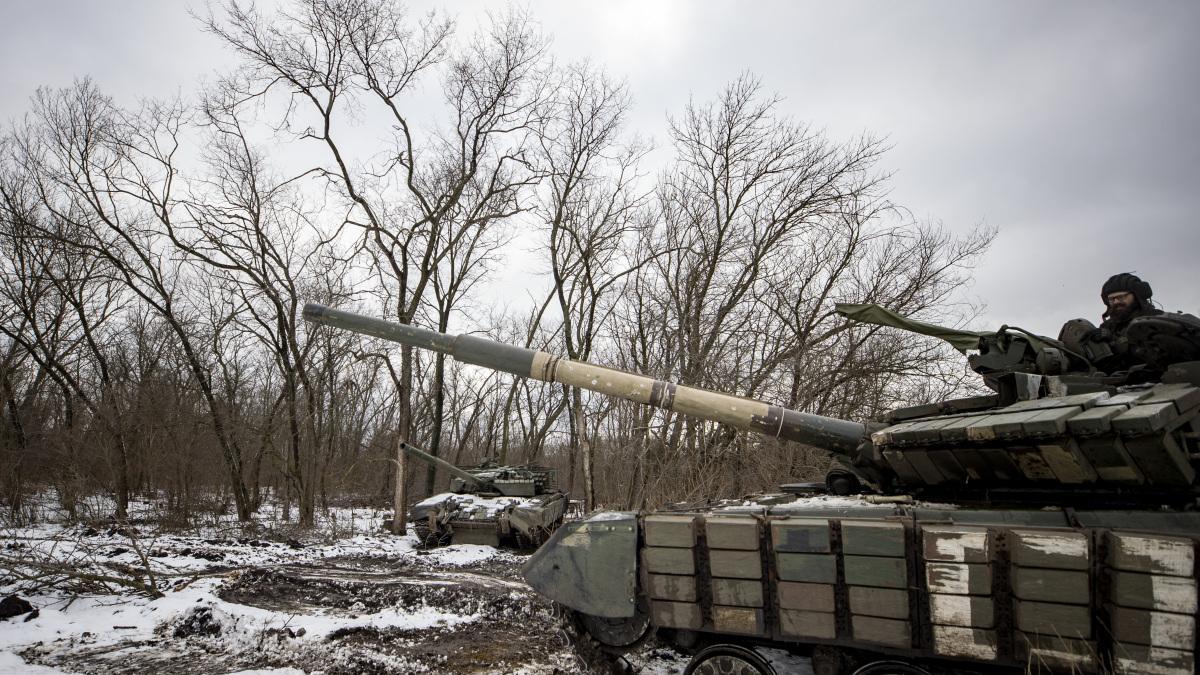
490,479
1056,430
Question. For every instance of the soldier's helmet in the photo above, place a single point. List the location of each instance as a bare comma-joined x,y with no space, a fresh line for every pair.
1126,281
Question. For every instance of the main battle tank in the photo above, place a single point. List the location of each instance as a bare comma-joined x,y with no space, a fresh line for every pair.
1049,526
489,504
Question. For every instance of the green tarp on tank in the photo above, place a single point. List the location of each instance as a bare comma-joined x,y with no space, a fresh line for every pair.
960,339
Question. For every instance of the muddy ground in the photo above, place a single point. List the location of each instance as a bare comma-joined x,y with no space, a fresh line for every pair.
504,627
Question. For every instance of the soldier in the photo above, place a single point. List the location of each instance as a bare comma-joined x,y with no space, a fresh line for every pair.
1126,297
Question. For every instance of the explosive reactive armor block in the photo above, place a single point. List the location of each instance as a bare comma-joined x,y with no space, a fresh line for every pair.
1083,439
1151,603
958,576
866,582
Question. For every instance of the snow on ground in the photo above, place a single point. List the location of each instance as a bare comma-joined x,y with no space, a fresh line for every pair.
270,671
346,559
222,598
11,664
108,620
605,516
341,598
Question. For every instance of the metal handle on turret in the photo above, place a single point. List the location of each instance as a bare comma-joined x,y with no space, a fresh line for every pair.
830,433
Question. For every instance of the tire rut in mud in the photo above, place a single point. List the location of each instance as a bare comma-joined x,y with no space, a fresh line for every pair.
511,628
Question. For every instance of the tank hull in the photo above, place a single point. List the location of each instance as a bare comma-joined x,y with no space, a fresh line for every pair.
516,522
958,589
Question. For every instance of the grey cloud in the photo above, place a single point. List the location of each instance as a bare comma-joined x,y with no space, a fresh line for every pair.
1074,127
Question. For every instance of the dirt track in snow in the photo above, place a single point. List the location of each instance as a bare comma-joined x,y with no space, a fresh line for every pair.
491,623
506,627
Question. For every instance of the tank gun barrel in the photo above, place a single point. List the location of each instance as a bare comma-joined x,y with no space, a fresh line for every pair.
836,435
414,451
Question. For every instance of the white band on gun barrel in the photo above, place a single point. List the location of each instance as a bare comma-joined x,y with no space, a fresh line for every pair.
732,410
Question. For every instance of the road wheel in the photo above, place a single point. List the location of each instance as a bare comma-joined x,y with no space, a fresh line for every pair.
728,660
890,668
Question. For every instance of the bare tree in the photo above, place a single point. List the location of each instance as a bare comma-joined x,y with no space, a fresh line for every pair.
765,225
108,177
153,261
253,234
62,303
746,186
422,200
591,205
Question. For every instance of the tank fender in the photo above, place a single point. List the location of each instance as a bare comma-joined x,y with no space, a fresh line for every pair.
590,565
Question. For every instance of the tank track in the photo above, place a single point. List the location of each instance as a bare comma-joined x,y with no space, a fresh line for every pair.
427,538
531,542
593,658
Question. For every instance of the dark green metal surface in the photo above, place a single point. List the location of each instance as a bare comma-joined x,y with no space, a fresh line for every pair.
590,566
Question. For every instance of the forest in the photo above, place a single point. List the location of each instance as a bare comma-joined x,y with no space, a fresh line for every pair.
155,255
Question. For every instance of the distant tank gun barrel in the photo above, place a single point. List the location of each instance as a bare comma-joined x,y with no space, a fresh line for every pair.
836,435
414,451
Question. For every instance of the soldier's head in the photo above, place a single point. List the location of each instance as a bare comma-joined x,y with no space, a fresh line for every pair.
1123,294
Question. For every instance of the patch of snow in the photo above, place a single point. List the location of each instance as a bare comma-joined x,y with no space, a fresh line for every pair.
109,620
833,502
475,506
603,516
67,624
89,628
462,554
434,500
252,621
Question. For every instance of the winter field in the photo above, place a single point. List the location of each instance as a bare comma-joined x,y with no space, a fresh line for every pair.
218,598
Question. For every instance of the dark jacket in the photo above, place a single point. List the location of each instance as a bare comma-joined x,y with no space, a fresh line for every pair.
1113,331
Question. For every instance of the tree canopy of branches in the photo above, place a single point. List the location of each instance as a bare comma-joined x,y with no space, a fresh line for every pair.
154,258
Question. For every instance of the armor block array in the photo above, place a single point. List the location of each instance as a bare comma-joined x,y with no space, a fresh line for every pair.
1135,438
1051,598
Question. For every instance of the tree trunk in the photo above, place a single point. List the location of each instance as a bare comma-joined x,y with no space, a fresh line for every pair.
403,429
439,406
122,481
502,456
400,501
585,450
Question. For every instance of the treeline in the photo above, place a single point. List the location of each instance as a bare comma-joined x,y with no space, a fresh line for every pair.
155,258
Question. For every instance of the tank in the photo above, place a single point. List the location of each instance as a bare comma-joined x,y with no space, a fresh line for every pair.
517,506
1047,526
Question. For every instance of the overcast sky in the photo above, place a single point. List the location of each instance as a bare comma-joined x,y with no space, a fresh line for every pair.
1072,127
